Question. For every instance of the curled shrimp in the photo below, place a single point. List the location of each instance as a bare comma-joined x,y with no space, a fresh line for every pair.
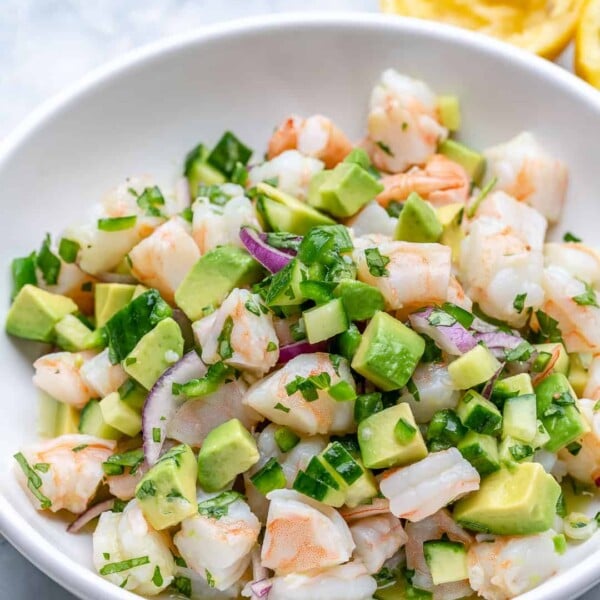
101,376
315,136
403,126
581,261
59,375
441,181
70,470
302,534
164,258
253,339
507,567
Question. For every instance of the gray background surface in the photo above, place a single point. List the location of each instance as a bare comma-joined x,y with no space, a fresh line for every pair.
75,36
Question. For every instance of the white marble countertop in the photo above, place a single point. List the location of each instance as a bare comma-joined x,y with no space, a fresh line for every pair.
75,36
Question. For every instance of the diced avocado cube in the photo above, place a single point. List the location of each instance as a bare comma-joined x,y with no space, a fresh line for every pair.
283,212
139,290
317,490
479,414
509,387
324,321
520,501
519,418
228,450
56,418
92,422
361,300
472,368
214,275
358,156
35,312
110,298
513,451
562,363
418,221
388,352
473,162
133,394
557,409
481,451
347,343
379,447
270,477
450,216
542,437
120,415
155,353
167,492
447,561
362,490
449,112
71,334
344,190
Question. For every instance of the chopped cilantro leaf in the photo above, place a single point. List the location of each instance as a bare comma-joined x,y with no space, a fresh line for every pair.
588,298
376,262
519,302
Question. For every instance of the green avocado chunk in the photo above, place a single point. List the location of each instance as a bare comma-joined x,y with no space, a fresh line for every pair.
380,448
519,501
344,190
418,221
472,161
283,212
155,353
71,334
35,312
388,352
361,300
167,492
227,451
120,415
214,275
110,298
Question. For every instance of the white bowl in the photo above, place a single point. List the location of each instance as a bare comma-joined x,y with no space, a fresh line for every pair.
142,113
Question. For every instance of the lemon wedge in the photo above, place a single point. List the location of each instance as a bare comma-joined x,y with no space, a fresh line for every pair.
587,43
541,26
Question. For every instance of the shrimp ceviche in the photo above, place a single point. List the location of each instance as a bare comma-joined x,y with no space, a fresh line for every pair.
344,371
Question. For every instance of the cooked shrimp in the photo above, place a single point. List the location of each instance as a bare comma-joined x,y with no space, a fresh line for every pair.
292,170
122,537
441,181
196,418
270,398
123,486
456,295
592,388
377,539
508,567
60,375
219,225
253,344
373,218
581,261
302,534
525,171
403,125
435,391
315,136
432,528
501,257
70,469
346,582
163,259
585,466
421,489
101,376
219,547
578,323
418,274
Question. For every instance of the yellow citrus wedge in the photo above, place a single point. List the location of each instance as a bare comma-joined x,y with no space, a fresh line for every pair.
541,26
587,43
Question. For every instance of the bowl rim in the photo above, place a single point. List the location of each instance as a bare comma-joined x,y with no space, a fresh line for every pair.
23,536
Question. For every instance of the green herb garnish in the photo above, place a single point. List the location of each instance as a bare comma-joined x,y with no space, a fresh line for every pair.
376,263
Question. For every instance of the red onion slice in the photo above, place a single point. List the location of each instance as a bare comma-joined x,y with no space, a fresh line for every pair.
161,404
489,386
271,258
90,514
116,278
286,353
261,589
453,339
499,340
